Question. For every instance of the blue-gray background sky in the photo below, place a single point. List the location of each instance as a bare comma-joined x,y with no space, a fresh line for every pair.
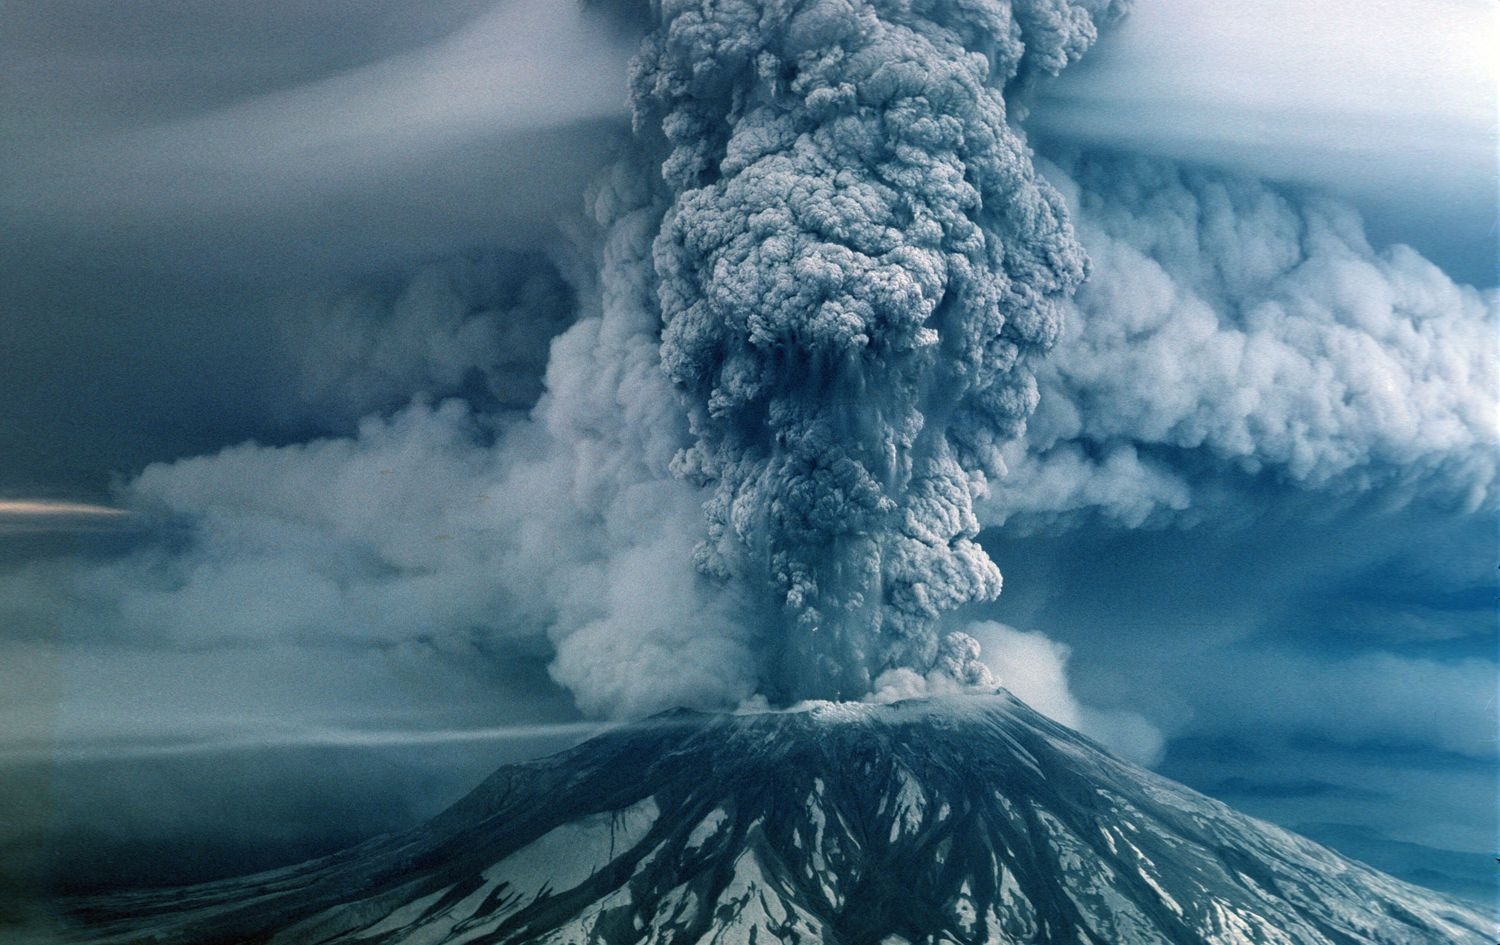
281,225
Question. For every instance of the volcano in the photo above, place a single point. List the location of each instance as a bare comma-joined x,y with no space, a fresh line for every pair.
963,820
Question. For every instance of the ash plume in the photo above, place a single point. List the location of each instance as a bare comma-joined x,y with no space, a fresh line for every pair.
853,261
478,325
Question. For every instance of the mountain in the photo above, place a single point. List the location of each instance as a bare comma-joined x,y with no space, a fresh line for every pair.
964,820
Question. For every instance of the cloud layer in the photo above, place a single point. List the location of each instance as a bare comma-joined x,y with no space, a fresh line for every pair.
1228,325
1344,95
479,325
405,145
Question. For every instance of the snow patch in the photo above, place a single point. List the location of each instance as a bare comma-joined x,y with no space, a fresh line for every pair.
568,855
707,828
750,909
907,805
963,910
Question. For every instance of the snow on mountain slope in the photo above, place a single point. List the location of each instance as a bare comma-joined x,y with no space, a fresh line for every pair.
965,821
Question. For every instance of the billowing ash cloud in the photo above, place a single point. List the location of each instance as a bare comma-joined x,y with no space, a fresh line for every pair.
855,260
801,337
798,348
475,325
1229,328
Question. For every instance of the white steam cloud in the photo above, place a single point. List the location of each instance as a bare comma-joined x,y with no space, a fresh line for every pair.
1227,323
432,528
1034,668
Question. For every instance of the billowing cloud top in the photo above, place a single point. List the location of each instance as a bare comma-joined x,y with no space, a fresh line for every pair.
854,261
1228,323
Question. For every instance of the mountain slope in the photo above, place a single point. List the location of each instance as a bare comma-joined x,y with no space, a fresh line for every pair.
971,820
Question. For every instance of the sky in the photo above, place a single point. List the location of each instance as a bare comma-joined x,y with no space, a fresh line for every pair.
341,466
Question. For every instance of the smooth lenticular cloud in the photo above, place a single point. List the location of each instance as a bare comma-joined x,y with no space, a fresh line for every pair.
484,136
1392,103
525,64
1276,58
207,742
41,516
44,508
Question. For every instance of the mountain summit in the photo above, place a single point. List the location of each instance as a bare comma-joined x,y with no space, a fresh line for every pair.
967,820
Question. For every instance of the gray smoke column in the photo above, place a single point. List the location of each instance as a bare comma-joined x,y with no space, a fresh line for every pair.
854,260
